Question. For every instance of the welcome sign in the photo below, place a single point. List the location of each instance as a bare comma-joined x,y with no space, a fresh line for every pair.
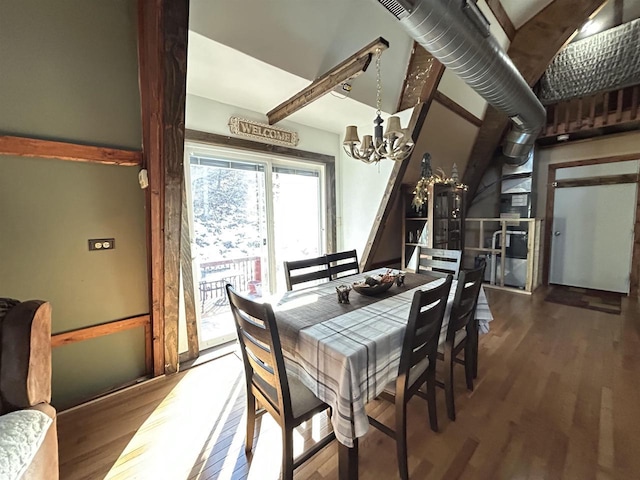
262,131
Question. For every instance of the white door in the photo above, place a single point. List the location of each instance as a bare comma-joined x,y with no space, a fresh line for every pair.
593,236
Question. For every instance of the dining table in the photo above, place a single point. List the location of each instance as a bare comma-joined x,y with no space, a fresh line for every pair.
346,353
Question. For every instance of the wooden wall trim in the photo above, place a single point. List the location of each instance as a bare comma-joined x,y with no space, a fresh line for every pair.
596,161
548,227
150,50
634,277
251,145
595,181
456,108
328,161
503,19
95,331
33,147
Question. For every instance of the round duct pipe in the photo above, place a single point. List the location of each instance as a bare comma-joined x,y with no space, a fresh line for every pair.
457,34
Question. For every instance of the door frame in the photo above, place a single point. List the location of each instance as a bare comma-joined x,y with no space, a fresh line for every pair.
552,184
329,162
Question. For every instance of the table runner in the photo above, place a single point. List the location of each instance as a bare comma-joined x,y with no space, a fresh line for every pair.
320,303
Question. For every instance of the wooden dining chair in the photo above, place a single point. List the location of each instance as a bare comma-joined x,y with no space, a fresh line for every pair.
439,261
460,335
286,399
307,270
343,263
417,365
473,330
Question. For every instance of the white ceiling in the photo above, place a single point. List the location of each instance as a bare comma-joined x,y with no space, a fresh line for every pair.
255,54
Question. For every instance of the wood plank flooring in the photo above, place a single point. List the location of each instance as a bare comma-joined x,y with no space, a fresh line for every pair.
558,396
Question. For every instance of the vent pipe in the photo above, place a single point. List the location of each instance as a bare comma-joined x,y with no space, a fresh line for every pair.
457,33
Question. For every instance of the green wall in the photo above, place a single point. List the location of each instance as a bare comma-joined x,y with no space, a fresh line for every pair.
69,72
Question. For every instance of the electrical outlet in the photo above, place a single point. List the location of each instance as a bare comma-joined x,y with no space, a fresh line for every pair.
102,243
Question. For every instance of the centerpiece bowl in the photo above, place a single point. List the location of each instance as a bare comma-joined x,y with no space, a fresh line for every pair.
375,285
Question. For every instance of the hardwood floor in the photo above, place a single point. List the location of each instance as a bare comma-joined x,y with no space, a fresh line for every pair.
557,396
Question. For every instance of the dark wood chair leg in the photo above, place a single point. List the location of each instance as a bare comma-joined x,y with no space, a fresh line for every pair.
468,364
401,437
251,422
448,381
431,396
287,453
476,339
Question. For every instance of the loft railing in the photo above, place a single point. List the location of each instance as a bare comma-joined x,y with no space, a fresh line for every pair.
602,110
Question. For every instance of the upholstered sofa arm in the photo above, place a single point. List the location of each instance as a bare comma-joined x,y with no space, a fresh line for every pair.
25,363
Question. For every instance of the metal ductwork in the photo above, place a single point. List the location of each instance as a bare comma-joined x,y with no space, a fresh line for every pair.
457,34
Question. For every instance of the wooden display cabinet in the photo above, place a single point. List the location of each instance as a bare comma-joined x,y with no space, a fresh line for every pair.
439,223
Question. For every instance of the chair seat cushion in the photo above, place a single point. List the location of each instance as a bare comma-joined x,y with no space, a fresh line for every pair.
460,336
21,434
415,372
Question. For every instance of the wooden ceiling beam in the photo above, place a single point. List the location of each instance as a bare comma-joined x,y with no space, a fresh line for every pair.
532,49
503,19
346,70
423,71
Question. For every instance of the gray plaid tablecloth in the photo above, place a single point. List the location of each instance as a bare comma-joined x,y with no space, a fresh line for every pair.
347,360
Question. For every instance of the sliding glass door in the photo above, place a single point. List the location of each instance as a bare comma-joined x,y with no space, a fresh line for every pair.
249,214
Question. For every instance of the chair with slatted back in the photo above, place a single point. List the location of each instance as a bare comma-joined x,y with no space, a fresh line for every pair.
417,365
286,399
459,333
307,270
343,263
438,261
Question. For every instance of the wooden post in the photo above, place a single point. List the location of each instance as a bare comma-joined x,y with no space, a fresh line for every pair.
188,287
162,51
605,108
579,120
176,29
149,59
503,251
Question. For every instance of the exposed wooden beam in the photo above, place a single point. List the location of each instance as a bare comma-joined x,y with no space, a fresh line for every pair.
393,188
252,145
162,39
346,70
618,12
423,70
188,287
95,331
33,147
150,52
502,17
531,50
456,108
394,185
176,29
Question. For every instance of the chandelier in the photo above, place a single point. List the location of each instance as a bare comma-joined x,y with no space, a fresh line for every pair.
396,143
